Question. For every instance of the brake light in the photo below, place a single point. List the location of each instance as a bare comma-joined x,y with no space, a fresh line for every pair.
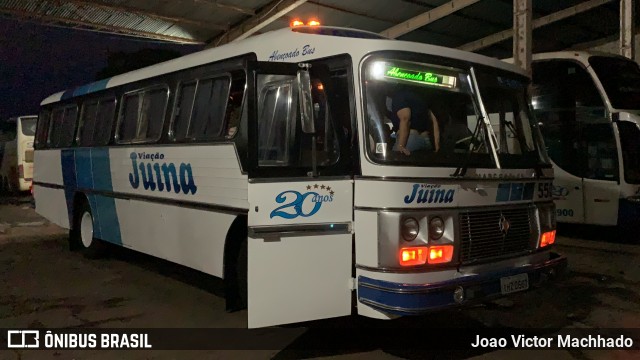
440,254
21,171
547,238
413,256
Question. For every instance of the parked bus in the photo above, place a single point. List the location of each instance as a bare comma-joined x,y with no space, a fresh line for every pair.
268,162
589,108
16,153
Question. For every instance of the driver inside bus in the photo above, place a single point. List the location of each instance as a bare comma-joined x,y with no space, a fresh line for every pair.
415,124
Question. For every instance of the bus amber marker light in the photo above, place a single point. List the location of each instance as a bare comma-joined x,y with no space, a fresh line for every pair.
313,23
547,238
295,23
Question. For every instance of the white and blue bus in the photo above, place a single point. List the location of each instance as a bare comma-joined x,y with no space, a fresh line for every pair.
589,106
269,162
16,153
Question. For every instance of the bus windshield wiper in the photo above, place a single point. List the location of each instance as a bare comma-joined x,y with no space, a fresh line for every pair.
462,170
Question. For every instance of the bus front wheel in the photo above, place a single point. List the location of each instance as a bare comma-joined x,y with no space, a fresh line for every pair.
82,236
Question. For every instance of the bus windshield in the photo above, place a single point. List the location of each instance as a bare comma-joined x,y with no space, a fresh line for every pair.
630,142
620,78
29,126
446,125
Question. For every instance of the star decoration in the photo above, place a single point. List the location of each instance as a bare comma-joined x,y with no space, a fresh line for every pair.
308,187
322,187
331,192
315,186
328,188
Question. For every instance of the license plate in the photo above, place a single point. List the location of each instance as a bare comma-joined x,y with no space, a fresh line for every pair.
511,284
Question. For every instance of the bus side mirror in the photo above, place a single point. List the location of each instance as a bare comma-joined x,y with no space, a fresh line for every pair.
305,99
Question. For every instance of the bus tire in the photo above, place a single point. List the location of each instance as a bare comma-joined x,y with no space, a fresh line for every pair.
235,266
82,233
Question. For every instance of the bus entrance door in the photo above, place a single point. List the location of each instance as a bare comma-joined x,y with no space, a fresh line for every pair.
300,220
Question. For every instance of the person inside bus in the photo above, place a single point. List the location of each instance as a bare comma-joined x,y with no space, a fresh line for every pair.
415,124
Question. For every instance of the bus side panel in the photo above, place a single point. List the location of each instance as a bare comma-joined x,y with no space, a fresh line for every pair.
50,194
93,177
190,237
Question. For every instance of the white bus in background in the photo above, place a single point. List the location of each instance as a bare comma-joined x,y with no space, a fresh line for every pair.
16,153
266,162
589,108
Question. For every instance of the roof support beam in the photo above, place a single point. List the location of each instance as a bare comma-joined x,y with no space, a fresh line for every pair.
627,33
539,22
266,16
95,26
522,40
142,12
236,8
426,18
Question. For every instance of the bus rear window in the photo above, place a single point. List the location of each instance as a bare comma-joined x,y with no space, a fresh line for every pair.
29,126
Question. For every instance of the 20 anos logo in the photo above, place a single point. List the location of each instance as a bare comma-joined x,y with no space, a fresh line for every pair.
302,204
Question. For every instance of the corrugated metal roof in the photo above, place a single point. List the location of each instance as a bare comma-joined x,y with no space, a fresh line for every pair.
202,21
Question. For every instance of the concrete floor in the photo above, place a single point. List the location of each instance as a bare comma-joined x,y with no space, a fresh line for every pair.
44,285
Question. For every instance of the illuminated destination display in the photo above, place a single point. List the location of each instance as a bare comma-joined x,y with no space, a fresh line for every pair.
416,76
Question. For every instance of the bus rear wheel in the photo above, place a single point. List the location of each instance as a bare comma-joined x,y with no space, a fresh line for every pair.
82,234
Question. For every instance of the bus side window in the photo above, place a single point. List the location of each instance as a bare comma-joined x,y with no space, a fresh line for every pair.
234,104
142,115
87,123
104,121
554,102
276,119
200,109
42,130
601,151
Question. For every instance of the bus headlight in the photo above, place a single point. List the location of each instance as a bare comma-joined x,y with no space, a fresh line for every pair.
547,214
436,228
410,229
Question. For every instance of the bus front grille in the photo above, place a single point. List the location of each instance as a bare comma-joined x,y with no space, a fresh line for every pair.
495,233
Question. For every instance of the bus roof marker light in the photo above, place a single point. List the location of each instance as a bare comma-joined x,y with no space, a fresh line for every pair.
296,22
313,22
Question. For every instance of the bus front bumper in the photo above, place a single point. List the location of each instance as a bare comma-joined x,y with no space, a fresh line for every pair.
415,299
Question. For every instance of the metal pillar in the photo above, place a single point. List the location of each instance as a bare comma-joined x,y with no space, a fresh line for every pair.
522,30
627,36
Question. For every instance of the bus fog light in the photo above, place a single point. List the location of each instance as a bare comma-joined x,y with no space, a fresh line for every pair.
436,228
410,229
413,256
458,295
440,254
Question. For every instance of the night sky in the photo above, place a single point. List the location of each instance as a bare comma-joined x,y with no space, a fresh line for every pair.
37,61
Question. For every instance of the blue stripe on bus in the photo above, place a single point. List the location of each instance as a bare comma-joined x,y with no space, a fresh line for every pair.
68,162
105,206
90,169
85,89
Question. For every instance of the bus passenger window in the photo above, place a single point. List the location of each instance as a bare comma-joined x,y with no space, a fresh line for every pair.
142,116
200,109
104,122
42,130
234,104
87,123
